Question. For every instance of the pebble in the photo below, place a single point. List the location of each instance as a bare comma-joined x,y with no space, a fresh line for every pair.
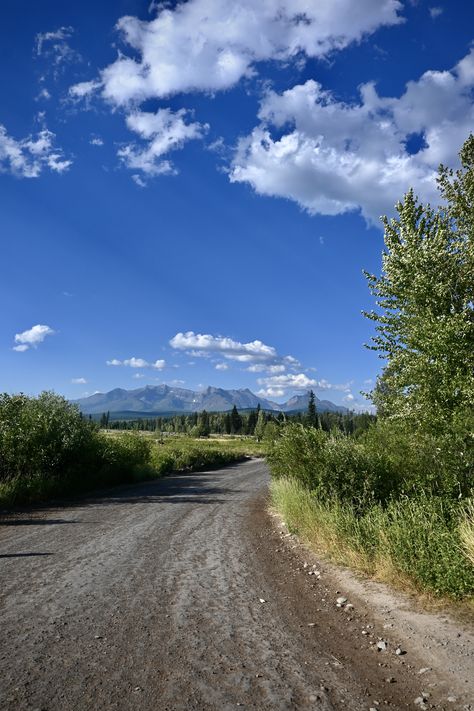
399,651
261,599
390,680
424,670
341,601
382,645
452,699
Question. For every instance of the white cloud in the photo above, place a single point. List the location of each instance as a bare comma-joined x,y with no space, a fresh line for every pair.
32,337
222,366
278,385
26,158
138,376
209,45
261,367
139,180
163,131
290,381
54,47
83,89
254,352
335,157
435,12
159,364
78,381
271,392
56,37
96,141
137,363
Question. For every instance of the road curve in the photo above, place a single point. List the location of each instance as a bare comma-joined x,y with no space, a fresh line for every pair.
167,596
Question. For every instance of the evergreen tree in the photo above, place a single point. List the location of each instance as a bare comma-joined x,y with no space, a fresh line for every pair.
312,417
236,421
251,422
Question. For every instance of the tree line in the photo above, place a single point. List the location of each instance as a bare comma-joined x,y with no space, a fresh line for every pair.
233,422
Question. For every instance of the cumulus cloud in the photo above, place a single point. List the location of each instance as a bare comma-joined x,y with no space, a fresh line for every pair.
137,363
27,157
209,45
289,381
78,381
331,157
222,366
32,337
254,352
163,131
278,385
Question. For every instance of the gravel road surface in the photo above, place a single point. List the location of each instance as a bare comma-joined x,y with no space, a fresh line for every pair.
178,594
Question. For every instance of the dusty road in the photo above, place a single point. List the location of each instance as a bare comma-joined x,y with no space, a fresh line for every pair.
150,597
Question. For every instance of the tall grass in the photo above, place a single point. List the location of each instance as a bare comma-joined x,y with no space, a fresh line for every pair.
415,541
467,532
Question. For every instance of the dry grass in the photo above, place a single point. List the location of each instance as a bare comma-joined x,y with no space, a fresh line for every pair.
466,530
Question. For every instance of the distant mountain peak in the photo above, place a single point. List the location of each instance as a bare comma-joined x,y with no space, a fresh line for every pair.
156,399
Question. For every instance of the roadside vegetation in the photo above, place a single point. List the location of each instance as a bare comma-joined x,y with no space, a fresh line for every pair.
396,502
48,449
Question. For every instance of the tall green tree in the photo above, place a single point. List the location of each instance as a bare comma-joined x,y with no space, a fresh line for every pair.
312,418
425,295
236,421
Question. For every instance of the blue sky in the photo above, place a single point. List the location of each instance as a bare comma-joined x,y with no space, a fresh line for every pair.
189,191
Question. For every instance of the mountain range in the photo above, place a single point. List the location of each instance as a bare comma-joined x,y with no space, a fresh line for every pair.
159,399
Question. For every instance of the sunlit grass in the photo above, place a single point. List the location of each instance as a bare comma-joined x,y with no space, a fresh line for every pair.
416,543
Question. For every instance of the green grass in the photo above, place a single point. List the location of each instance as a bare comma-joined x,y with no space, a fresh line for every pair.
421,543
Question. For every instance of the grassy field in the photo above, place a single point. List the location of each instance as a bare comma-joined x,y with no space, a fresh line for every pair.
242,445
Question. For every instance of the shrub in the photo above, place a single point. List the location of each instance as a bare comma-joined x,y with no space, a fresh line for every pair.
43,436
383,464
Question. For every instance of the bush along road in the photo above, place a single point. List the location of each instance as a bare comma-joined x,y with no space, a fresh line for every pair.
184,594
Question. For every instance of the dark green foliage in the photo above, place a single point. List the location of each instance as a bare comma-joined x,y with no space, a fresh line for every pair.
235,421
222,422
312,418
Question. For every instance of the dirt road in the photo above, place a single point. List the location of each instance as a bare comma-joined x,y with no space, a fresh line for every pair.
179,594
